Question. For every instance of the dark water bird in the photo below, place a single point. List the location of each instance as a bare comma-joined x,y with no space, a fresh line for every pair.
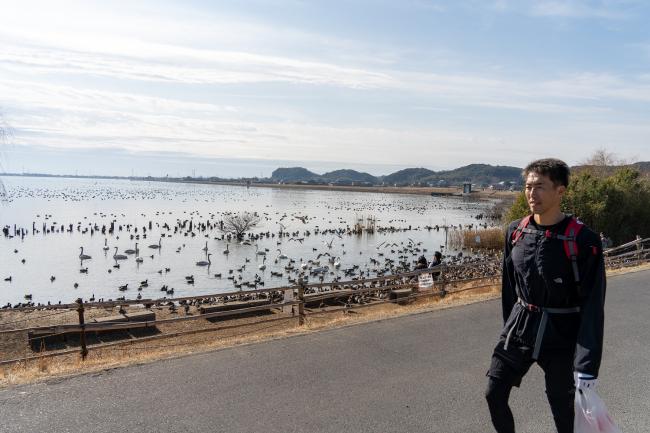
131,251
158,245
203,262
117,256
83,256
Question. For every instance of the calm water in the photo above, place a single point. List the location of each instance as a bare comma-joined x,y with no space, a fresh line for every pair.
88,203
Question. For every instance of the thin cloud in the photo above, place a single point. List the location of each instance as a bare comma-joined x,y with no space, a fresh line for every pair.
579,9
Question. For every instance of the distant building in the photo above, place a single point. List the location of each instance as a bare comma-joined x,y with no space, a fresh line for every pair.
467,187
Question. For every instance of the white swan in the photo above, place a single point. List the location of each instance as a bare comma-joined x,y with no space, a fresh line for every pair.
281,256
117,256
83,256
226,251
156,246
203,262
106,248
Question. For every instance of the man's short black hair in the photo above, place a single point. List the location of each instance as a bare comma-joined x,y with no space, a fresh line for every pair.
554,169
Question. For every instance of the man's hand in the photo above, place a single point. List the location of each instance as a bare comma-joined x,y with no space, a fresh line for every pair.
585,381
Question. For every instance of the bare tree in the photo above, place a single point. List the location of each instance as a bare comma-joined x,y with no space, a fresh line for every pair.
602,158
239,224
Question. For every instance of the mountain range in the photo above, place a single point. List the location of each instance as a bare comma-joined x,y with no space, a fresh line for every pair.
479,174
476,173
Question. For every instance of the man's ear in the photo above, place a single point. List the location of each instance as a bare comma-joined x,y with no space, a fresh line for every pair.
561,190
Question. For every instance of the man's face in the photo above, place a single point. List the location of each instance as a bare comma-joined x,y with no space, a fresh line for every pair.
541,194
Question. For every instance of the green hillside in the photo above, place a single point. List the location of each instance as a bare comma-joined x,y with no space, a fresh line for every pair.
407,176
350,176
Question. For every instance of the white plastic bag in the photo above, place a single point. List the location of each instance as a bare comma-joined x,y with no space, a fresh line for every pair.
592,415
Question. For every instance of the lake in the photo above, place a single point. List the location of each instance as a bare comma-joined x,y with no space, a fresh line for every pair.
317,223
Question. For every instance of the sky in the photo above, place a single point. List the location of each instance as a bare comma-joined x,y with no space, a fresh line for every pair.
239,88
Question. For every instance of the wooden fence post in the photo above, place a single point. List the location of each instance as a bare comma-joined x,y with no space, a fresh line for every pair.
301,305
82,334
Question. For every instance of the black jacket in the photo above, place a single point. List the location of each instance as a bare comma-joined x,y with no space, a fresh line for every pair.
538,270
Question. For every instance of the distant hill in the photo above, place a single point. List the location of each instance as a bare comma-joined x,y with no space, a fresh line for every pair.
293,174
407,176
478,174
350,176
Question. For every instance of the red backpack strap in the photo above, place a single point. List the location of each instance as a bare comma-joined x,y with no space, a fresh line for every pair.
571,245
570,236
518,232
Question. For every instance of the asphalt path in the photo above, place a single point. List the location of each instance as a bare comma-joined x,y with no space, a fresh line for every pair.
419,373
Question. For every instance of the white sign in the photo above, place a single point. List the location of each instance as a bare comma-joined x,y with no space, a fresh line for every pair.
288,297
425,281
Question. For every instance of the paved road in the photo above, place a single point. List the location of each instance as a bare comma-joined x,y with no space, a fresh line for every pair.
421,373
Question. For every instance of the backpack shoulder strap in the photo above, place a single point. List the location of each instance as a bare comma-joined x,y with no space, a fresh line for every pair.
519,231
571,245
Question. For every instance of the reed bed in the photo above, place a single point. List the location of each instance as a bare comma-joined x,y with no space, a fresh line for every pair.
477,239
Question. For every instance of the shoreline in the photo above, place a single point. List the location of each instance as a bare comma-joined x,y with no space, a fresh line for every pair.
412,190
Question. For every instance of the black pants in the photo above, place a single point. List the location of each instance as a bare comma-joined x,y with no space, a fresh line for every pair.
507,370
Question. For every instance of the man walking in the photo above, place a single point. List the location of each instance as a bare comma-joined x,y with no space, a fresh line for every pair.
553,293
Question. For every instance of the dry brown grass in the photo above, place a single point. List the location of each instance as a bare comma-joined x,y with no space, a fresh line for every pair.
489,239
224,335
627,270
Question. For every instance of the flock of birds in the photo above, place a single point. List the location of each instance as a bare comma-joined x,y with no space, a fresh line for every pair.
293,247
